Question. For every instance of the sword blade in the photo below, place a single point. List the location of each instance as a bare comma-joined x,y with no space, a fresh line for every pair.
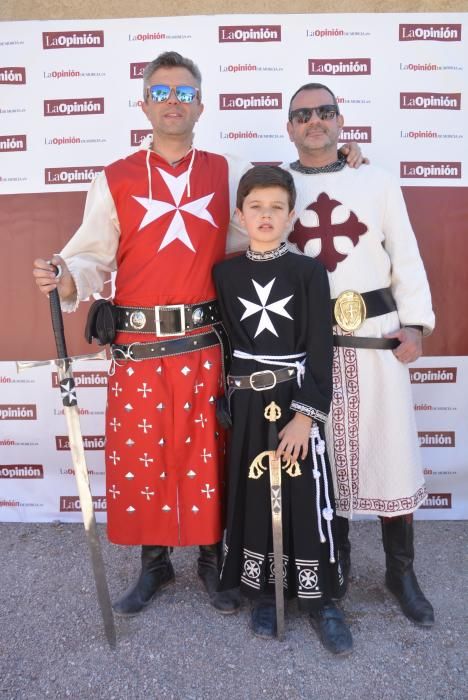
86,502
277,529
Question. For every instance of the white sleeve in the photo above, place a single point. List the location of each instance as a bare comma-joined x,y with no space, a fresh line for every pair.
90,254
237,239
409,281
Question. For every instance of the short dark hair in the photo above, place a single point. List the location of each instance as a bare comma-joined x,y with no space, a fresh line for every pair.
313,86
170,59
263,176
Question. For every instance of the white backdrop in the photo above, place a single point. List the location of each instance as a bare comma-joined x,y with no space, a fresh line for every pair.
70,104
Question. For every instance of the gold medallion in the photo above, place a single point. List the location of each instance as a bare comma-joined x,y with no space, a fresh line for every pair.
350,310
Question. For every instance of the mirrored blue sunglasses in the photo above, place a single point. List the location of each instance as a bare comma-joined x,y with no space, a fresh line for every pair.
183,93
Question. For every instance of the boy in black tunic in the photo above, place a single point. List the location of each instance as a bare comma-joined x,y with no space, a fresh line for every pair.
275,305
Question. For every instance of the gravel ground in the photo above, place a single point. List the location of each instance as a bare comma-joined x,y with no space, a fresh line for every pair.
52,643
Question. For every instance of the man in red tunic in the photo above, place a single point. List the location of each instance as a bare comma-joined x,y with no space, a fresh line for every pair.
160,218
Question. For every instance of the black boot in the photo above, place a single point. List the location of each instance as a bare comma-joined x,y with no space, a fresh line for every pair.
343,548
156,573
397,537
333,632
263,617
225,602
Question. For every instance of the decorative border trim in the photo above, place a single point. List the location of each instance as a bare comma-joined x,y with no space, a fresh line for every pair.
371,506
256,256
252,569
308,411
345,417
334,167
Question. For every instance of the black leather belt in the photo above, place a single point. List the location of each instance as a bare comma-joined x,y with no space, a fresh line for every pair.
378,302
264,379
165,348
170,319
354,341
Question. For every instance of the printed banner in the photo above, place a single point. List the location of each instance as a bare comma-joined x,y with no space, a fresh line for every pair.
71,96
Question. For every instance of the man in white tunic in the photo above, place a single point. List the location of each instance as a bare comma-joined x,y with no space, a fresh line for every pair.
356,223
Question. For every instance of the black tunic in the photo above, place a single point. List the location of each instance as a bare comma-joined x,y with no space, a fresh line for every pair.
277,304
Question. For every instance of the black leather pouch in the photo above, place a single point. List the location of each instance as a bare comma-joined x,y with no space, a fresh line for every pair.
101,322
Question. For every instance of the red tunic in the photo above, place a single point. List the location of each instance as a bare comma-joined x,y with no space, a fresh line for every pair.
164,449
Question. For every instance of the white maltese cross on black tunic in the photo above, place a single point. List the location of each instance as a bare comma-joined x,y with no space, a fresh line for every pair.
276,307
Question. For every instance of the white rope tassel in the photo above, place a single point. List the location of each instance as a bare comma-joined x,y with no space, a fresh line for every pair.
327,512
148,170
300,369
316,475
189,171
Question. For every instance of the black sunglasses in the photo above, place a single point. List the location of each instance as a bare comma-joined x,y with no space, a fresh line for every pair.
304,114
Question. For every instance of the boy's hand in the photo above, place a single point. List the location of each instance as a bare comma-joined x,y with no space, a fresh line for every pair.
353,153
295,437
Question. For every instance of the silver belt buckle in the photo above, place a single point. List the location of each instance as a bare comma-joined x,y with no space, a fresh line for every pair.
180,308
124,354
256,374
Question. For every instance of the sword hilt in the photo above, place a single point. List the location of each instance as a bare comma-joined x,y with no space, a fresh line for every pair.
57,321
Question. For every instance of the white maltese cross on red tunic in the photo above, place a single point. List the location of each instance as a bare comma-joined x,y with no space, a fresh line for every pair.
177,228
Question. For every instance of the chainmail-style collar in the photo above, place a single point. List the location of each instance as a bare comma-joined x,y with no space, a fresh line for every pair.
257,256
330,168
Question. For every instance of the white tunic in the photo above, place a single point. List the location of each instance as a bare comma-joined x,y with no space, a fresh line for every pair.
371,431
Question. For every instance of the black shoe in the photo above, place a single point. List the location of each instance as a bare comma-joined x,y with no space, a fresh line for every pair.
156,574
334,633
263,619
225,602
397,537
412,600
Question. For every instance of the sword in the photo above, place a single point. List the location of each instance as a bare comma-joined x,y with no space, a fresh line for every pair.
272,414
70,406
277,527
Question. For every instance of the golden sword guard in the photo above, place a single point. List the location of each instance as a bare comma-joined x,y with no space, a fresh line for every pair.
258,467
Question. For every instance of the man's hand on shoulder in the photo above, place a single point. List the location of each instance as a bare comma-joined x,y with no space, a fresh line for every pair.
353,153
410,347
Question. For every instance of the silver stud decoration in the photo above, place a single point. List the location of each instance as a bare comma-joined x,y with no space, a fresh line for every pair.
197,315
138,320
